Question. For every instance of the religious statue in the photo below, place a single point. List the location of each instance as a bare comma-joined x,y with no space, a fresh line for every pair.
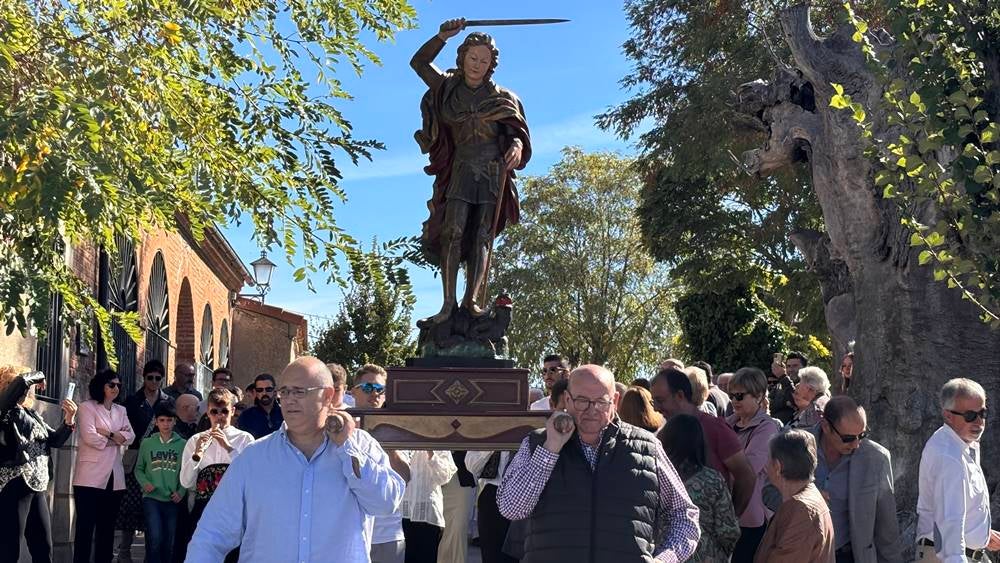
476,137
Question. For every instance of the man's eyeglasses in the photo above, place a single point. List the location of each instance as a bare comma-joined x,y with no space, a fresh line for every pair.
264,389
113,385
376,388
553,369
581,404
849,438
154,377
297,393
970,416
216,412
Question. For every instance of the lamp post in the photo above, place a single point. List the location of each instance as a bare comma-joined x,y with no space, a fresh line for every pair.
262,270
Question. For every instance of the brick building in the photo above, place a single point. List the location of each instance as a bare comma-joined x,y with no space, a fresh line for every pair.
185,293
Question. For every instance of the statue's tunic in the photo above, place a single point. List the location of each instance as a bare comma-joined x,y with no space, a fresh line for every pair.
466,133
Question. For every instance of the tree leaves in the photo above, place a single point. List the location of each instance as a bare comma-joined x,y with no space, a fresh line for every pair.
119,118
581,282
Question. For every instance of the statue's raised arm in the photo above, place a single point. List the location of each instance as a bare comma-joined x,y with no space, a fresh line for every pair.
476,135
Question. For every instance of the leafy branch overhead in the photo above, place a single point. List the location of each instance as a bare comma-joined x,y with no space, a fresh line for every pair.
937,152
118,117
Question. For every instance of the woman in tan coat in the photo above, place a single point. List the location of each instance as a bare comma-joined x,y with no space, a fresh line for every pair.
801,529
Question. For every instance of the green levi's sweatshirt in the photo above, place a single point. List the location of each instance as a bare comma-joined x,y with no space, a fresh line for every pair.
159,464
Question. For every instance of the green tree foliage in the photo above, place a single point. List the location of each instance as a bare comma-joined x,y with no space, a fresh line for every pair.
373,325
118,117
581,282
935,136
700,213
729,329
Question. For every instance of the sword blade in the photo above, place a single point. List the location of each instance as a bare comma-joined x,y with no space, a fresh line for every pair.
529,21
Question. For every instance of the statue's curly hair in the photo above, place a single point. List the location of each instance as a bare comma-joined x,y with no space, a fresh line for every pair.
478,38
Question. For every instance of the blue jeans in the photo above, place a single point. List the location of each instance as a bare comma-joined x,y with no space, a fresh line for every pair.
161,523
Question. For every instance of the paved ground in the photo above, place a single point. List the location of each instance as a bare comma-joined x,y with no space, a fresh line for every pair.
139,552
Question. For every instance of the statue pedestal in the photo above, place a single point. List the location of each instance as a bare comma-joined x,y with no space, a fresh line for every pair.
453,408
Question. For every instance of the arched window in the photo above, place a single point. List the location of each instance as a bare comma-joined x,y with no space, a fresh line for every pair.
224,344
157,312
120,292
207,346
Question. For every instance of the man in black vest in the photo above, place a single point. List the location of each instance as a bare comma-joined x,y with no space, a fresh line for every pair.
593,492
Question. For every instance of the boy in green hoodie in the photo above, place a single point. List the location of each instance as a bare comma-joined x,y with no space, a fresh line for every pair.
158,472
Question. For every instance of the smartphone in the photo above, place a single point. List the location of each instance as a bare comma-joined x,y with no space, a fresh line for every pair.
70,389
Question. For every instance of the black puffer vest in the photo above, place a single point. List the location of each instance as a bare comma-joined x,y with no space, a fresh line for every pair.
604,515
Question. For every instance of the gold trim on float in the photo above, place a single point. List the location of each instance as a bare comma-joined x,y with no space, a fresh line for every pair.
480,391
438,427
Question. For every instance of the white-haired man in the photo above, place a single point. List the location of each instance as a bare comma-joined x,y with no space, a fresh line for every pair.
953,506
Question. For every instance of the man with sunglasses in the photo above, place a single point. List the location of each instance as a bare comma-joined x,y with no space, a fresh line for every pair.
208,454
265,416
554,368
953,504
854,473
184,373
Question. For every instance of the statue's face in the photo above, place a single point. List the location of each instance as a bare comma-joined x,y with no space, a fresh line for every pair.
477,63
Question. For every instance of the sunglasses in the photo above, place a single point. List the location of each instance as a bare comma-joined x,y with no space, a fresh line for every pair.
738,396
113,385
154,377
553,369
849,438
218,379
218,411
971,416
264,389
371,388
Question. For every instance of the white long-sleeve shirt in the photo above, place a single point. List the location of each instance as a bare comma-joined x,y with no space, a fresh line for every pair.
423,500
215,453
953,506
278,506
475,462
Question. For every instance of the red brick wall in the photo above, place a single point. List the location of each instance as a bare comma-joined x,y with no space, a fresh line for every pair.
85,263
204,287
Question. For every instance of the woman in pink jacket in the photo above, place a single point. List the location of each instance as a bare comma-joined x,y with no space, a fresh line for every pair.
99,478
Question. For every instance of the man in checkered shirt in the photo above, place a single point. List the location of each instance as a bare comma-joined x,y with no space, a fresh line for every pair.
604,491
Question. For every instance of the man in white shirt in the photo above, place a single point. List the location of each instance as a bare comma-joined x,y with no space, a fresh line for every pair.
554,368
953,507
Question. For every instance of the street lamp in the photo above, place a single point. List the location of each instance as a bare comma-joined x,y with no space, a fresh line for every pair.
262,270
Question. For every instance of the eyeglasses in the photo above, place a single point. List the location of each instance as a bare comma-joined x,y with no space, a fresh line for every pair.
216,412
297,393
376,388
112,384
154,377
581,404
849,438
264,389
971,416
553,369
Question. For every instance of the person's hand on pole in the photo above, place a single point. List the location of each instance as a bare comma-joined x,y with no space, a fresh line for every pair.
451,28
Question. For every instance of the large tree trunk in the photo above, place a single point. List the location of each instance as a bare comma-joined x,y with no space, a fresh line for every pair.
913,333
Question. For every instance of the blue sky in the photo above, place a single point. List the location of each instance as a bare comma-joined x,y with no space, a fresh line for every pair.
564,74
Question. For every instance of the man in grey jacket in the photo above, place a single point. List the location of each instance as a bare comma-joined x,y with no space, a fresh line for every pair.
854,474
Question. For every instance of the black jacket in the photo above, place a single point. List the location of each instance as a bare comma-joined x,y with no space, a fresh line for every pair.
16,423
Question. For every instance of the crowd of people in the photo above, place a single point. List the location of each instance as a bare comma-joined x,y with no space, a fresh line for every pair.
685,466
